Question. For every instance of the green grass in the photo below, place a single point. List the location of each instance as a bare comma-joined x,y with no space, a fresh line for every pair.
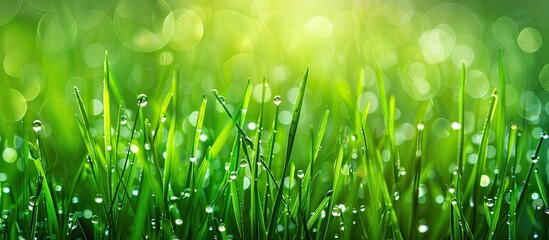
235,185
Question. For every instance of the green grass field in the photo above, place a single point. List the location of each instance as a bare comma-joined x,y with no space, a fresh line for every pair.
273,120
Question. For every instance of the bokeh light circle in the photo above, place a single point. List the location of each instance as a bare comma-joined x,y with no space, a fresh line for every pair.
17,107
544,77
437,44
188,29
420,80
505,30
529,40
8,10
144,26
57,31
529,106
477,85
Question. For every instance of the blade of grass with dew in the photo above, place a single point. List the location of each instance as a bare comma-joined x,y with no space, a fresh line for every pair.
257,221
502,189
171,150
84,125
386,109
168,96
291,137
461,134
199,124
480,168
337,190
220,100
416,181
533,160
107,119
197,133
226,132
318,211
267,164
234,194
541,187
502,118
35,206
462,222
358,92
51,210
152,155
142,208
513,192
321,130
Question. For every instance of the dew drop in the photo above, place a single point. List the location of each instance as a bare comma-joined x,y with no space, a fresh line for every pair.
142,100
95,219
300,174
396,195
277,100
243,162
186,193
484,181
123,120
215,92
37,125
534,159
422,228
209,209
544,135
178,221
362,208
222,99
489,202
232,175
32,202
98,198
221,227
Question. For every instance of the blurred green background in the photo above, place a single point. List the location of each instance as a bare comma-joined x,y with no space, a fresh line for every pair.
49,46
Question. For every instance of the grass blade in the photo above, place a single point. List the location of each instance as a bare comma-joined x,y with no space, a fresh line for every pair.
291,137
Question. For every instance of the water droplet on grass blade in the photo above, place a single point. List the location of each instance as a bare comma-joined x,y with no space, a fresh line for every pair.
232,175
243,162
32,202
534,159
186,193
396,195
422,228
209,209
178,221
215,92
484,181
489,202
221,227
142,100
98,198
222,99
300,174
37,125
95,219
123,120
277,100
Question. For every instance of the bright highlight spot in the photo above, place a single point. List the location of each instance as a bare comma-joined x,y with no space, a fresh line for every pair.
529,40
